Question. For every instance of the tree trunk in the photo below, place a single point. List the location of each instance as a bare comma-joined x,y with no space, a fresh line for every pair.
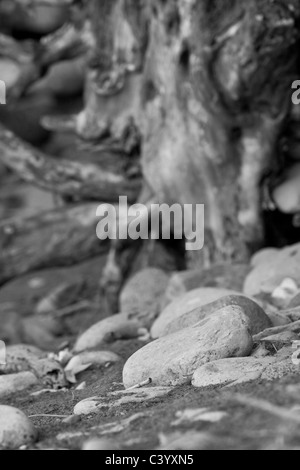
207,84
72,179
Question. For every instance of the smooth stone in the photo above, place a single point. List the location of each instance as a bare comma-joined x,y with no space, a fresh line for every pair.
88,406
266,277
14,383
221,276
295,302
15,428
264,256
277,319
142,295
186,303
256,317
172,360
106,331
283,294
230,372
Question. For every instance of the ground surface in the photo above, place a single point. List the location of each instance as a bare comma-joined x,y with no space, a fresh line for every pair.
149,424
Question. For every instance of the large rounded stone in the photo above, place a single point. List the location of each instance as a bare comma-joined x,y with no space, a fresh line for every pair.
15,428
172,360
186,303
172,321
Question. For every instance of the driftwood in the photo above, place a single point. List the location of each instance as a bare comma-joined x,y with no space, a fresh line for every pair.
61,237
75,180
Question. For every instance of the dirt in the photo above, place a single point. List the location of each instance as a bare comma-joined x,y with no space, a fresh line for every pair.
243,427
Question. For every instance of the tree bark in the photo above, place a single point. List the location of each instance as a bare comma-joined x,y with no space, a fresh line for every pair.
57,238
71,179
211,94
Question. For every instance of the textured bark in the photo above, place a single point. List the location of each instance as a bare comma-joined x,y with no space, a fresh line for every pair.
76,180
213,82
57,238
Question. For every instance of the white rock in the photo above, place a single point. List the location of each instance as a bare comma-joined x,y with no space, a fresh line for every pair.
256,317
108,330
230,372
172,360
264,256
284,293
14,383
88,406
15,428
186,303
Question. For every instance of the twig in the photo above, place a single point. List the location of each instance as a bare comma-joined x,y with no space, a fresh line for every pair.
48,416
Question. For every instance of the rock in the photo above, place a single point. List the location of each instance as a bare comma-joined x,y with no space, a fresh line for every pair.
100,444
172,360
267,276
14,383
142,295
186,303
264,256
87,360
278,319
106,331
168,323
295,301
283,294
293,314
88,406
223,277
15,428
230,372
280,369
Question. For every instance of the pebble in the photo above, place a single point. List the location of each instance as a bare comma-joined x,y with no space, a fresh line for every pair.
230,372
168,323
267,276
106,331
186,303
14,383
142,295
88,406
15,428
172,360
